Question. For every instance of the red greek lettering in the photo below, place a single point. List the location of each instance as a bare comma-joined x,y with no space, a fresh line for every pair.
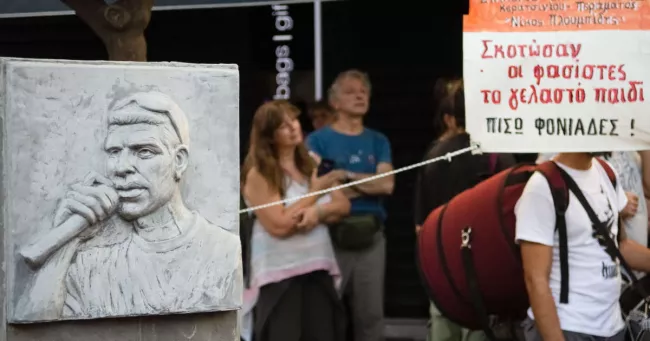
619,95
513,102
491,96
622,74
538,73
484,55
571,96
580,95
588,72
515,71
545,96
511,51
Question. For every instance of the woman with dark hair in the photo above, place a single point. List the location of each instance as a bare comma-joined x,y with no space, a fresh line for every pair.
292,268
439,182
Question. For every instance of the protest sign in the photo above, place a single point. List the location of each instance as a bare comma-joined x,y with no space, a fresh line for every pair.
557,76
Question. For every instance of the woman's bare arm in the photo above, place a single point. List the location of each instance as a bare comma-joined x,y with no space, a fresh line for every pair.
645,171
278,220
336,209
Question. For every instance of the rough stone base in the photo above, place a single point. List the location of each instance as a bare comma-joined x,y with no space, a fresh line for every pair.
196,327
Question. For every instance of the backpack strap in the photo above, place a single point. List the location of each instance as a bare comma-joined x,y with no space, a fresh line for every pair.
610,172
472,282
560,194
602,232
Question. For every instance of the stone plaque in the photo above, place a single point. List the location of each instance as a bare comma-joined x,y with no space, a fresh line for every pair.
121,190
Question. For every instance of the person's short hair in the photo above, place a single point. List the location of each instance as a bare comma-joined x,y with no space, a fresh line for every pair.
353,73
320,105
160,105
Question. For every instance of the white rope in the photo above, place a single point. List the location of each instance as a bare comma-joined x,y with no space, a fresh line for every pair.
446,157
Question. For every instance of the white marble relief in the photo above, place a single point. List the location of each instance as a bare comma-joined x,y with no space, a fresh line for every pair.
126,193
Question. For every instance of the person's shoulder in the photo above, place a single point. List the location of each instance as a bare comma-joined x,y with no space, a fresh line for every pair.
254,178
224,243
534,202
435,149
323,132
537,185
543,157
224,236
612,167
607,164
376,134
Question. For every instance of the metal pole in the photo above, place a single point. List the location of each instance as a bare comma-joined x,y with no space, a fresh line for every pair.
318,51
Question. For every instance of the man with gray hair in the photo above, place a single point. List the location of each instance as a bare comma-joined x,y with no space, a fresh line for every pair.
125,243
358,152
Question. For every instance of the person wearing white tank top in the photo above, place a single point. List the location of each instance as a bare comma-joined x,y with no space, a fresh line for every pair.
293,271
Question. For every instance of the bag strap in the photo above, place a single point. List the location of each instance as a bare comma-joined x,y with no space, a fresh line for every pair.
601,230
560,194
610,172
472,283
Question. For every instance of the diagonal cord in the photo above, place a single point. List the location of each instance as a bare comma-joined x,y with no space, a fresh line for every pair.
446,157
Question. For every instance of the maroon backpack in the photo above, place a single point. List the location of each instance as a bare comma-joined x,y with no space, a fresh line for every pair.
468,259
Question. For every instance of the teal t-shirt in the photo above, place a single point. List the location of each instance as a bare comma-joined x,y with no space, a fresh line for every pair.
355,153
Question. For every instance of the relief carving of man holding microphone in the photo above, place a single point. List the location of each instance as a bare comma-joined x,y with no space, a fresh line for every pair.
125,243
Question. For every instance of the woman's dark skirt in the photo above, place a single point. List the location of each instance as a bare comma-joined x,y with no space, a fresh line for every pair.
301,308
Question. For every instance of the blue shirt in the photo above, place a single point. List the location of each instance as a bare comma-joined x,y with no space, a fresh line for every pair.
355,153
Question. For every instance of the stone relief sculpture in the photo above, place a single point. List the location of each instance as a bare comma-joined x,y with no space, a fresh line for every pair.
122,242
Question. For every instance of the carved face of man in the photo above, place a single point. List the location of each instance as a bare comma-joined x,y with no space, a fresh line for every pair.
144,162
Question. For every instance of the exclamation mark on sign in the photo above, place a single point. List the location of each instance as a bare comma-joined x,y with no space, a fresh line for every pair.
632,126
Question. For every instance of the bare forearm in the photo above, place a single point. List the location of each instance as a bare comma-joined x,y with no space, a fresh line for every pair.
625,215
544,310
636,255
301,204
381,186
645,171
333,212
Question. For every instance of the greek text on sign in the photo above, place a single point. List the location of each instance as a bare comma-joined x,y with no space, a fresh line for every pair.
557,76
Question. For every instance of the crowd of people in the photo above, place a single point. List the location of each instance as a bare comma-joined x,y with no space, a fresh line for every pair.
314,267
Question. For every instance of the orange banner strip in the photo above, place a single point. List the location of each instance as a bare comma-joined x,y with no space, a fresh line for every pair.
556,15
